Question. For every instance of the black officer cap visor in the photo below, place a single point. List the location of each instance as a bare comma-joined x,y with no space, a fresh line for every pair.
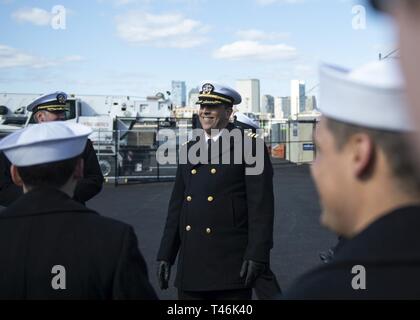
215,99
54,108
214,104
51,106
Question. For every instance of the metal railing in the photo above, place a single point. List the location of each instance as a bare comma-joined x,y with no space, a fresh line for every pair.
130,156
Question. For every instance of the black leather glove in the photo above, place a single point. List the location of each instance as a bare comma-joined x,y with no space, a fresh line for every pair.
251,270
163,273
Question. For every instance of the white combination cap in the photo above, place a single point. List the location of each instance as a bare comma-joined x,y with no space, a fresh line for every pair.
247,121
213,93
371,96
45,143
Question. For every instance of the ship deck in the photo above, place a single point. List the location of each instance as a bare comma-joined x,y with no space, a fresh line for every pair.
298,236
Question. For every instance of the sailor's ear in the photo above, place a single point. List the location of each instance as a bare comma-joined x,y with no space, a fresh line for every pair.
14,173
362,150
78,170
229,111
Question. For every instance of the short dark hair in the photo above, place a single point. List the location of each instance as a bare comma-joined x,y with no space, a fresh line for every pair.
54,174
393,144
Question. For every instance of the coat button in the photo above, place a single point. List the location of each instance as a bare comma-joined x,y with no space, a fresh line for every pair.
193,171
188,228
208,230
210,199
213,171
189,198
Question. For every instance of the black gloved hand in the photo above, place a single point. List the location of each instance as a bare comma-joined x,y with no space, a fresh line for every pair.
163,273
251,270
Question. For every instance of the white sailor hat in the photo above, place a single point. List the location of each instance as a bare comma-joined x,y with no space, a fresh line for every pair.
243,120
371,96
45,143
212,93
52,102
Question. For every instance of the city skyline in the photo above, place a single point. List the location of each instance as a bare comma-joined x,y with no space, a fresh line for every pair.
297,102
137,47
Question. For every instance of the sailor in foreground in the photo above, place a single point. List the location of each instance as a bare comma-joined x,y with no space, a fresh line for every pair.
368,187
220,219
52,247
47,108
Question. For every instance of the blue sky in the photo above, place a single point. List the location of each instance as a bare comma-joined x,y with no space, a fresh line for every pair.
136,47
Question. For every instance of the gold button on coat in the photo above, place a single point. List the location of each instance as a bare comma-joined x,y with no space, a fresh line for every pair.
210,199
189,199
193,171
188,228
213,171
208,230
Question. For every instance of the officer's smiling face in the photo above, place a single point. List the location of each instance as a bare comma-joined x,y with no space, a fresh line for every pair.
214,117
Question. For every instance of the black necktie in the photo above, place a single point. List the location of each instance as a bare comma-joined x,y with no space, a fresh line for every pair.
209,144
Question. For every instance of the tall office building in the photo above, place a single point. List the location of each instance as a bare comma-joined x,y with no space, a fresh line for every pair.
179,94
282,108
267,104
249,90
193,97
278,112
311,103
298,98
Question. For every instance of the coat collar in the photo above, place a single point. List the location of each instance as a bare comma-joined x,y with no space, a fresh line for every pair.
223,148
43,201
393,237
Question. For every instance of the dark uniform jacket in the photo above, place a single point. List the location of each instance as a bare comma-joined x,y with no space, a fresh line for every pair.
217,218
87,188
45,228
389,251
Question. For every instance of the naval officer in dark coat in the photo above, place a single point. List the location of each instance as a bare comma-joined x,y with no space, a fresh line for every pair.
220,219
52,107
368,187
52,247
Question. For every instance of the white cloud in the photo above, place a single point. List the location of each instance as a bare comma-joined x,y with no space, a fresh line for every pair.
259,35
255,50
166,30
36,16
12,58
74,58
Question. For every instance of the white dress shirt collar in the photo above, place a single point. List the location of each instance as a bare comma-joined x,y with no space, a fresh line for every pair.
216,137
